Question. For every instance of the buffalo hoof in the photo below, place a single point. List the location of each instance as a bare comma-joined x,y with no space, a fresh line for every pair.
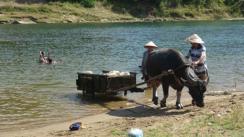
162,104
155,100
200,104
179,106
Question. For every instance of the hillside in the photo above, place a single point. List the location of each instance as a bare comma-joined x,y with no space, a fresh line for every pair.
76,11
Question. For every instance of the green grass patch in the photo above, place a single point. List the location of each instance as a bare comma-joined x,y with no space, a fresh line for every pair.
161,131
235,121
231,124
26,9
118,133
211,125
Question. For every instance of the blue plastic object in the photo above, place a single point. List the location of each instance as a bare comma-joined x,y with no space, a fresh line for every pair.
75,126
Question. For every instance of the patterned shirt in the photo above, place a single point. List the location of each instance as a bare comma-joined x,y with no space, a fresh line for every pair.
196,53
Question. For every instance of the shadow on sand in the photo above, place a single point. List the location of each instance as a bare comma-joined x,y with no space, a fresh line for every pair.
142,110
139,109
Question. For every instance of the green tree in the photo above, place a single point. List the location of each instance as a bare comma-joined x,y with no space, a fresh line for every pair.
235,6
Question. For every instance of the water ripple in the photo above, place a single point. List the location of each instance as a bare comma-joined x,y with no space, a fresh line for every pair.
35,94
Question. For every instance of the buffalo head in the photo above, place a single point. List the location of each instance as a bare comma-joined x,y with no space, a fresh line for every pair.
196,86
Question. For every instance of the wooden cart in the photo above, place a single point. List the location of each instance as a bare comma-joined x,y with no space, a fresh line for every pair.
102,83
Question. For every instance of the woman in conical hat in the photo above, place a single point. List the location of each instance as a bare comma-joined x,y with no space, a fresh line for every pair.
197,55
194,38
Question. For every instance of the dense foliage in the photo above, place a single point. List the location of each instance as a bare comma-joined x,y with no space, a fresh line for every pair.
237,5
85,3
233,6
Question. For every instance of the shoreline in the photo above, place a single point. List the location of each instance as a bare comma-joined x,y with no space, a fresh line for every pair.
144,20
106,123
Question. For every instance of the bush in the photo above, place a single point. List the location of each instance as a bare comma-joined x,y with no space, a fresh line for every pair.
88,3
85,3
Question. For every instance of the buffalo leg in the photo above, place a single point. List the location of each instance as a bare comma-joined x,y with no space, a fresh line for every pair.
178,102
155,96
193,102
166,94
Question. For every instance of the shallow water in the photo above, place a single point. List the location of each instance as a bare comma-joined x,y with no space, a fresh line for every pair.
37,94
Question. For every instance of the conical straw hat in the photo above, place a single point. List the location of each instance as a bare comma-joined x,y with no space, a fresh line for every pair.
194,38
150,44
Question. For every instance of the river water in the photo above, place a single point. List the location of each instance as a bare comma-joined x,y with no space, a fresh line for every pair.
36,94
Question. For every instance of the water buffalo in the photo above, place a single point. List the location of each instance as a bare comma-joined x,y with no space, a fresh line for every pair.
170,59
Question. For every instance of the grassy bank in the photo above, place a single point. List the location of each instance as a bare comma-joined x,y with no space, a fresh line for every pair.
231,124
56,12
218,119
41,11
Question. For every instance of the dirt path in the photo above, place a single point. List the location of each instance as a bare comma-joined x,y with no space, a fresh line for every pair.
118,122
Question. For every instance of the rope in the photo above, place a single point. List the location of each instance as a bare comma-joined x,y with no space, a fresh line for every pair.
164,73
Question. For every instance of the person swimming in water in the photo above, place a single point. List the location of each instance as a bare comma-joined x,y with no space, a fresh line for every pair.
45,59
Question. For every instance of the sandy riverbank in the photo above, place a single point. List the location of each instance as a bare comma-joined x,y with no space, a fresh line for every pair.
149,118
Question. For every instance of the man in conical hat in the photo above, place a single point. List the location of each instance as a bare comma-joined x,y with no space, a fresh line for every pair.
197,55
150,46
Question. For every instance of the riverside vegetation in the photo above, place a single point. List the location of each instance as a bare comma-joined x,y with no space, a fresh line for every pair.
75,11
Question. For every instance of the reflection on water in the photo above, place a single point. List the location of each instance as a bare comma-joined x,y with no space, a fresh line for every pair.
37,94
